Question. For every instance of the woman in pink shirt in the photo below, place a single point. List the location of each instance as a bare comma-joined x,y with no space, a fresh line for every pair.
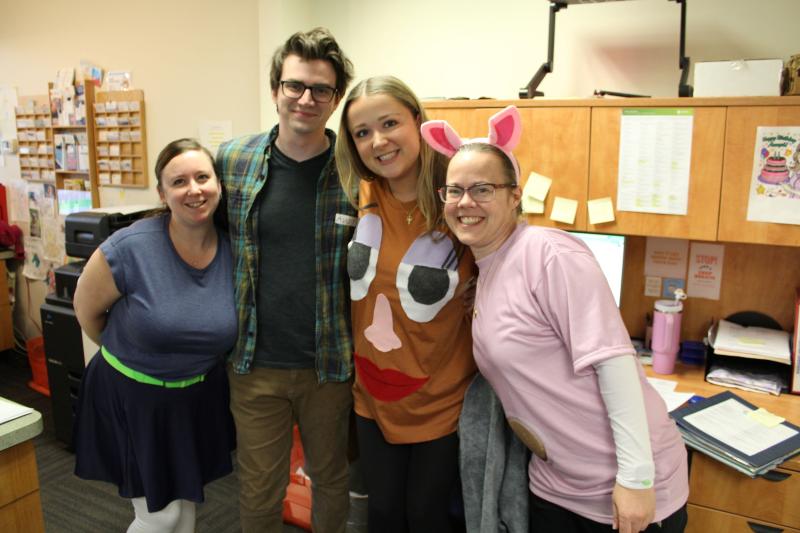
548,337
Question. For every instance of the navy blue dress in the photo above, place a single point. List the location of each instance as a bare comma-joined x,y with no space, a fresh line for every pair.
172,322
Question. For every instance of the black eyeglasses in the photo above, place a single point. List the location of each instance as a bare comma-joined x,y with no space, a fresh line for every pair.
480,192
322,94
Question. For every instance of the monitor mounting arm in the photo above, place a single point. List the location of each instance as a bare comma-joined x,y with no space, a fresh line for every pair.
684,89
530,91
547,67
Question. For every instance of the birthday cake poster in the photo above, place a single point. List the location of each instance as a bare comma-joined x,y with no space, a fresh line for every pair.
775,182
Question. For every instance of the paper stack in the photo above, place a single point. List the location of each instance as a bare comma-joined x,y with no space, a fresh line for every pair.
10,410
751,342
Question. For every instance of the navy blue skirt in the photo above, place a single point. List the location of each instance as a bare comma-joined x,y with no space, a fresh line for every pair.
153,442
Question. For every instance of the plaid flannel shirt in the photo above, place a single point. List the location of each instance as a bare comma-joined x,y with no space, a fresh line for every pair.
242,167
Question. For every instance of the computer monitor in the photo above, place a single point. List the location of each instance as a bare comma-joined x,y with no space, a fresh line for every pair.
609,250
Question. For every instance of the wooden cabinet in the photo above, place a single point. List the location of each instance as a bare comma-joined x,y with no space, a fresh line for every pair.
720,495
555,143
700,222
740,138
576,143
120,140
20,505
705,520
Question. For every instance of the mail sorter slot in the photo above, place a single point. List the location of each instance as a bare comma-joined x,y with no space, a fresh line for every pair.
704,520
712,484
743,364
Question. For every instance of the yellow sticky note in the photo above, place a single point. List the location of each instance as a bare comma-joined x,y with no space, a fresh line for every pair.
601,210
564,210
532,206
764,417
537,186
750,341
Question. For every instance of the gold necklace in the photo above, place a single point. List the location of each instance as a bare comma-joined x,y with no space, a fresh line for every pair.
410,215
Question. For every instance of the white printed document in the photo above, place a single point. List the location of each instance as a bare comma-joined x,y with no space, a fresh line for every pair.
729,422
655,151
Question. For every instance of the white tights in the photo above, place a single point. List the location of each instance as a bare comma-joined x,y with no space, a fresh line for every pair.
177,517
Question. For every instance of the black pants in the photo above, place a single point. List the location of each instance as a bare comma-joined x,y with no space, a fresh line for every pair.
409,485
546,517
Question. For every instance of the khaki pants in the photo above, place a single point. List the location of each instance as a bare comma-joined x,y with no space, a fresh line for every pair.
265,405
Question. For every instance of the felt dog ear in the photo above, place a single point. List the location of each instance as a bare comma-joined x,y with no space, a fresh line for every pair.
441,137
505,129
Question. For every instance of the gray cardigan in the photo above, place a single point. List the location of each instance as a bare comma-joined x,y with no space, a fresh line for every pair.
494,465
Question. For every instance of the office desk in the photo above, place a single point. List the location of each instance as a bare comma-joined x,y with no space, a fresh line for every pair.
720,498
20,505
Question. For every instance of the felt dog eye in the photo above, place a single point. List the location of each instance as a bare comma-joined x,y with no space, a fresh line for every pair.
427,277
362,255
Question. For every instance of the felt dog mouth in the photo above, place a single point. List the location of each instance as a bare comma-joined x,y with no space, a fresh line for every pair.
386,384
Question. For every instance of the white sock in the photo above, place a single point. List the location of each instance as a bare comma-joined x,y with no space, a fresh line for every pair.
187,519
163,521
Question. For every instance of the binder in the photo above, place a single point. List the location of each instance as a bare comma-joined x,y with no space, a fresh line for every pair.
724,428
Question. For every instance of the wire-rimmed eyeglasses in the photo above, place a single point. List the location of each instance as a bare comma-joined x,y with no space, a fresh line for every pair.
322,94
480,192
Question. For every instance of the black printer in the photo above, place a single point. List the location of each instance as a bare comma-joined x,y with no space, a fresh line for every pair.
83,233
63,340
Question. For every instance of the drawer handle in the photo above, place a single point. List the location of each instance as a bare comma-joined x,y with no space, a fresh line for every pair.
761,528
775,476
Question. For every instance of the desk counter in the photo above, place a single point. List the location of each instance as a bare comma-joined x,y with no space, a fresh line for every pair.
20,504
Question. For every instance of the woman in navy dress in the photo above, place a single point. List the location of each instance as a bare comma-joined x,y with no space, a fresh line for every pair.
157,296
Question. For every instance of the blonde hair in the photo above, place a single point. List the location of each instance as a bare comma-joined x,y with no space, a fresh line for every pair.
432,165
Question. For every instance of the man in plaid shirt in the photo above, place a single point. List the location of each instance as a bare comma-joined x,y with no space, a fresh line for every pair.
290,224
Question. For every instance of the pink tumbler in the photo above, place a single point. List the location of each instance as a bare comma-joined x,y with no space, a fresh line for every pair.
666,335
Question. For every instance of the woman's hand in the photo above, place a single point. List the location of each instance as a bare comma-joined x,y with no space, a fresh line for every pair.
634,509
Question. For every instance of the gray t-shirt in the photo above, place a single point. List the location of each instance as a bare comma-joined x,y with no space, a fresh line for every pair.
173,321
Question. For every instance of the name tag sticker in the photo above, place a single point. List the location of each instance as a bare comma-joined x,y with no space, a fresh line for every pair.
345,220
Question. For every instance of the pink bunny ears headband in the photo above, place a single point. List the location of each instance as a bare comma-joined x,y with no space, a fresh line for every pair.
505,129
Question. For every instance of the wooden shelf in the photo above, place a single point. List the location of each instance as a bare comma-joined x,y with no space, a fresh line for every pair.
115,106
120,185
34,131
73,143
81,172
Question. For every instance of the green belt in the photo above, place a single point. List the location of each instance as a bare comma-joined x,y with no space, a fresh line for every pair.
144,378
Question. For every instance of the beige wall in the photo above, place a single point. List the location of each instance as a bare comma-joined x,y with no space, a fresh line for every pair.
208,60
195,60
478,48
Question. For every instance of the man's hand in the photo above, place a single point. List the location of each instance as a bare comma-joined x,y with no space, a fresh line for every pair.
634,509
468,296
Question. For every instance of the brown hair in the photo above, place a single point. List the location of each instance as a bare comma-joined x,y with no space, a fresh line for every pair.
318,43
173,150
432,165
